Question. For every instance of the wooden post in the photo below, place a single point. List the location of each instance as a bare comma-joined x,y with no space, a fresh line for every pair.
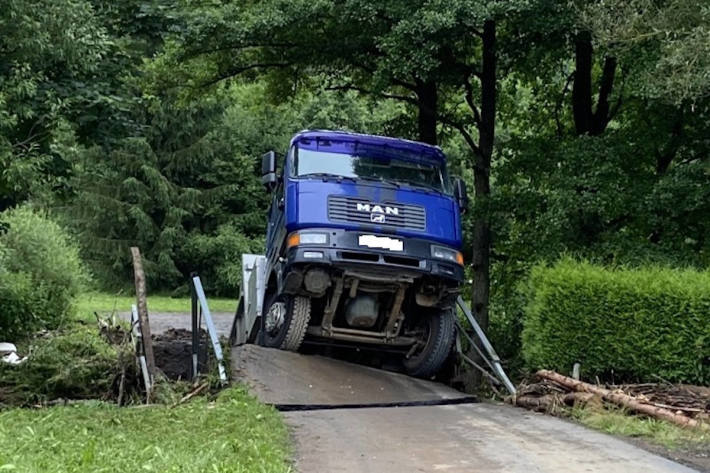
142,304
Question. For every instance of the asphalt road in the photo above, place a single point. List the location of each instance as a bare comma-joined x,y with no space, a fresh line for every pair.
470,438
160,322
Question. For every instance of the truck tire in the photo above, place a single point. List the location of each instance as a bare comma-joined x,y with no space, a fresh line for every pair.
440,328
287,331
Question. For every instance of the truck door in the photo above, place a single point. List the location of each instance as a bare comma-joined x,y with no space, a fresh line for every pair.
276,231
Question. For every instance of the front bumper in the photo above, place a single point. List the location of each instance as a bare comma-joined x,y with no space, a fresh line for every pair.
343,251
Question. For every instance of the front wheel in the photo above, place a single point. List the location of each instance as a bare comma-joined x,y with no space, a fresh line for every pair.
286,321
438,330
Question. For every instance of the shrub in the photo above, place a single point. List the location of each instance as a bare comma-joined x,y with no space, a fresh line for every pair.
218,258
40,273
634,325
75,363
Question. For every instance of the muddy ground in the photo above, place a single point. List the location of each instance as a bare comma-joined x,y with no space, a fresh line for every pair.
172,341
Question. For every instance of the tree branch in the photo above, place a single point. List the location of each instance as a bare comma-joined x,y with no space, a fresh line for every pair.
236,47
469,100
240,70
464,132
362,90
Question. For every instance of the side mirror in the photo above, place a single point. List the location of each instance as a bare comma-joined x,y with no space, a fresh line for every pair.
461,194
268,171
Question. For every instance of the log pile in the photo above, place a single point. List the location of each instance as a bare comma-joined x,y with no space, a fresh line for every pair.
687,406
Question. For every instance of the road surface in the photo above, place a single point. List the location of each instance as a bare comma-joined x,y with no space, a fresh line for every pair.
160,322
340,434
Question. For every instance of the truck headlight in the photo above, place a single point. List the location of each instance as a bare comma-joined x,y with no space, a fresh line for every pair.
441,252
314,238
296,239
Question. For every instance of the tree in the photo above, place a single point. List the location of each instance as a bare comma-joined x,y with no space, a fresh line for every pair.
423,53
49,51
668,42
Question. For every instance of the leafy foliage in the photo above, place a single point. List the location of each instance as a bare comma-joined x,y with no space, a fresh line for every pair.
670,39
72,364
40,273
629,324
52,57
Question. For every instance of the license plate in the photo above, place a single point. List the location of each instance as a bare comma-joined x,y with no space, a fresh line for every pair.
385,243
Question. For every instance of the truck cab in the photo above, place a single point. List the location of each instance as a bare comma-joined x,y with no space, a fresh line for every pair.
363,246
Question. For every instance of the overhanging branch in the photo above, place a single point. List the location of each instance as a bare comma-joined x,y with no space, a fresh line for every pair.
469,100
385,95
239,70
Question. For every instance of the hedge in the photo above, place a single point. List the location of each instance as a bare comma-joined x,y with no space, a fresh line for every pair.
623,325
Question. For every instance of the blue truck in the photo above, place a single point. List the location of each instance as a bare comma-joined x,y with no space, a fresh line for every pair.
363,248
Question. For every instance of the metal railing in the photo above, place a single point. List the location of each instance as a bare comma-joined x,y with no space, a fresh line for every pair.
491,359
201,309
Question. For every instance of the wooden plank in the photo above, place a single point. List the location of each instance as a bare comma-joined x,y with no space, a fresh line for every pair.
142,305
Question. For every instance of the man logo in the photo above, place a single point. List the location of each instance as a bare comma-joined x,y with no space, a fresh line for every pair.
377,212
377,208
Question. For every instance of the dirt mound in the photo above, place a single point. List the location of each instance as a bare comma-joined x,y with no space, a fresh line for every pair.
173,352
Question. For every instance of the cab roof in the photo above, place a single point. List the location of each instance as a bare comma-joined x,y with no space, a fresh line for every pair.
417,147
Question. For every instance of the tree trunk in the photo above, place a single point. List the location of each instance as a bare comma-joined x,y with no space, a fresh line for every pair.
582,86
427,97
601,115
481,176
665,156
587,121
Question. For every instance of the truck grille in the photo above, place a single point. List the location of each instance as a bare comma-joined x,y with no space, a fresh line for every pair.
386,214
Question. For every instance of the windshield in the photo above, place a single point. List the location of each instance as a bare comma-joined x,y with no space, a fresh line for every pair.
390,166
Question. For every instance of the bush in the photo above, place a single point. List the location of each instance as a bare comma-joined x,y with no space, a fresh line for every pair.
40,273
634,325
75,363
218,258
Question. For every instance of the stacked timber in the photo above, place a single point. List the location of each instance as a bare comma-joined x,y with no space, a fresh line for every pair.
684,405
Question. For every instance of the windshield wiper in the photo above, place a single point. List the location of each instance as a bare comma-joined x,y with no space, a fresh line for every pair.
381,180
327,175
418,185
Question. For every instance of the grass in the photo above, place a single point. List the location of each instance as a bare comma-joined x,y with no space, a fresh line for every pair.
235,433
103,302
659,432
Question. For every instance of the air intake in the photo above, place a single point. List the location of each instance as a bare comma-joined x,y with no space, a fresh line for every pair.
384,214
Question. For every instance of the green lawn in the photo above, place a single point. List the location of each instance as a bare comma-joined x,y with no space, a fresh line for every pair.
618,422
103,302
233,434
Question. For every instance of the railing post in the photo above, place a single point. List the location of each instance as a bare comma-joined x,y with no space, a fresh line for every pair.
195,327
211,330
494,359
